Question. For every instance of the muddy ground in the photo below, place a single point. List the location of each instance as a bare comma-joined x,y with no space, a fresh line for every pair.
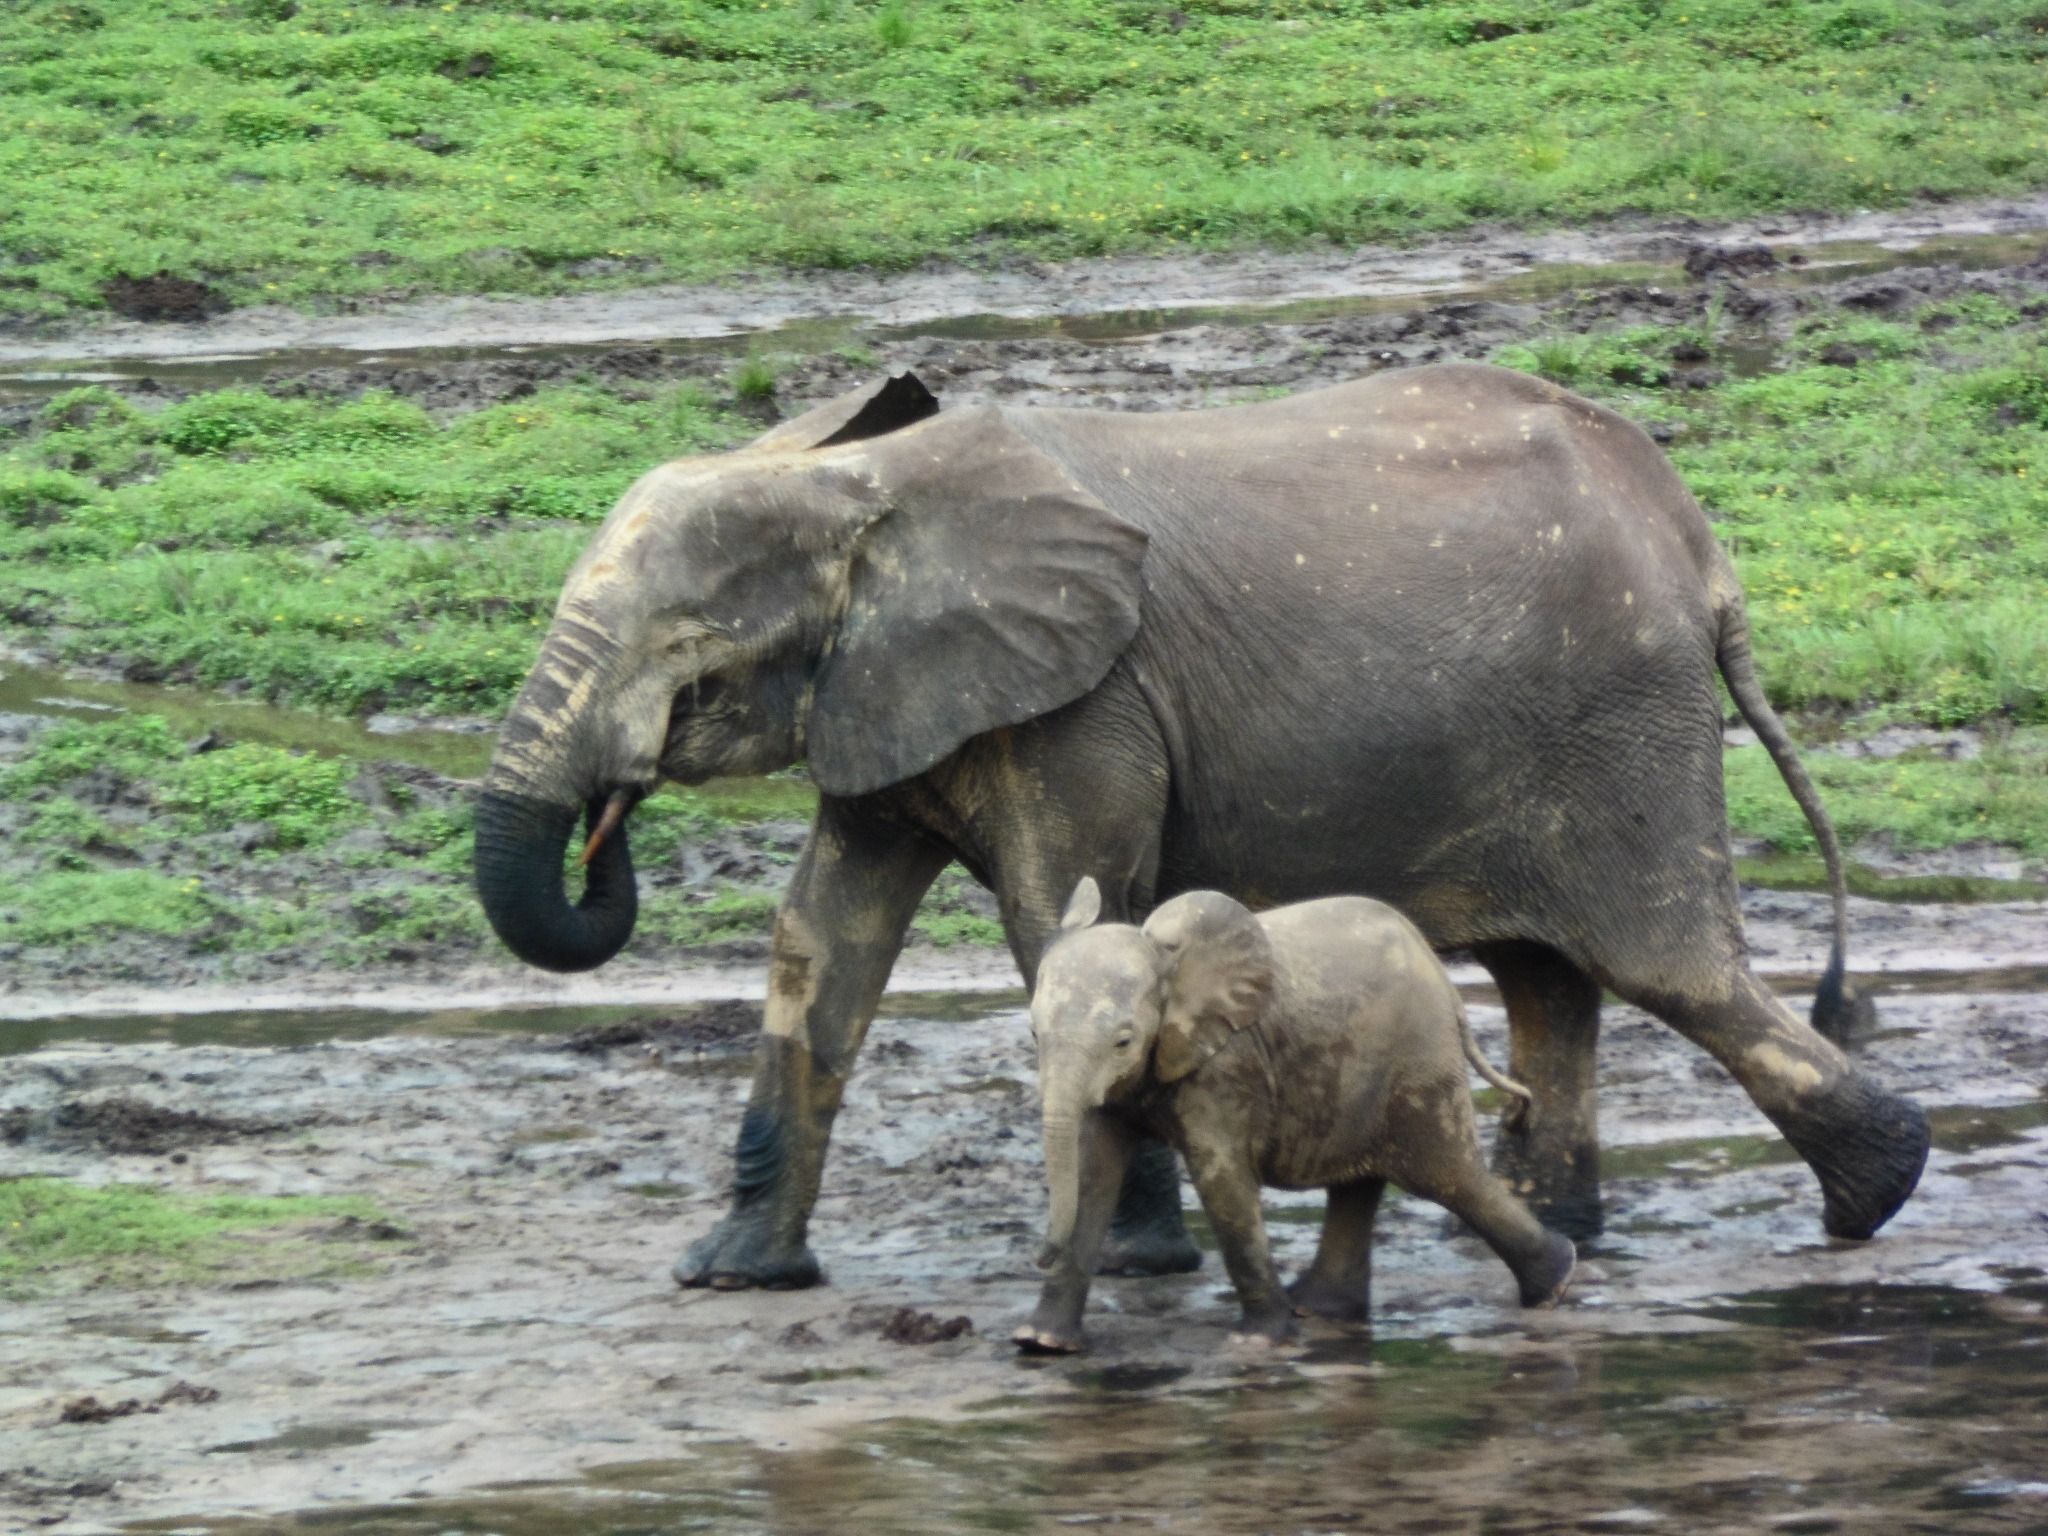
500,1348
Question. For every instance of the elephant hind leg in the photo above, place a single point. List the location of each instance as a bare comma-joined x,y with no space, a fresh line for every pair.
1866,1144
1551,1158
1339,1283
1542,1260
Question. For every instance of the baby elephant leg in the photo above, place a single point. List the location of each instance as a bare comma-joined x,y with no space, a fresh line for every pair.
1229,1188
1339,1283
1055,1327
1450,1170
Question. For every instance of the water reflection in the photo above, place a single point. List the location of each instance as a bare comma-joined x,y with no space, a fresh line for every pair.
1823,1407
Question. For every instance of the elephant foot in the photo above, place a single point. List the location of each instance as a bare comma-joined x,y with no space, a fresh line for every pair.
1265,1328
1314,1295
1149,1251
1049,1333
1148,1235
736,1255
1867,1146
1545,1282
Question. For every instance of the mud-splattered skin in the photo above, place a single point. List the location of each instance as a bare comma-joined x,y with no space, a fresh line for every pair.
1446,637
1319,1046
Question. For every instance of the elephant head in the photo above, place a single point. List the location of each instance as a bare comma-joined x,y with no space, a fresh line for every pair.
1117,1007
866,588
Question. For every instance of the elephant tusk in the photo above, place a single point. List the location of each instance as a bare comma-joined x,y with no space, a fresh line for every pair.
614,813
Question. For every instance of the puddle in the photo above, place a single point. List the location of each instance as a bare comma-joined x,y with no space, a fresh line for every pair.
312,1437
289,1027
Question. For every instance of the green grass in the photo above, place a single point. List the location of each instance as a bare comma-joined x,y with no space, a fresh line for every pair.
332,148
1918,802
354,556
1889,521
55,1234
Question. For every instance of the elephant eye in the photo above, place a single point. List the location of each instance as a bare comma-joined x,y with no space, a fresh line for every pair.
1123,1042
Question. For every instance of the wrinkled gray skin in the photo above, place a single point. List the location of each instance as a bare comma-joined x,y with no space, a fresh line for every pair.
1450,637
1321,1045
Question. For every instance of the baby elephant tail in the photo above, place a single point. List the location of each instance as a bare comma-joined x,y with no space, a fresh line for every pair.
1521,1102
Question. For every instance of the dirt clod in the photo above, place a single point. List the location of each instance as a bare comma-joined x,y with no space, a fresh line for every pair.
90,1410
163,296
129,1126
907,1325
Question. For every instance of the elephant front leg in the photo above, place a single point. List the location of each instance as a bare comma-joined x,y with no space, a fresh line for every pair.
1229,1187
1552,1158
1055,1325
840,929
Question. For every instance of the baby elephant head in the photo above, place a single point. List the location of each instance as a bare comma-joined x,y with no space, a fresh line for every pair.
1118,1006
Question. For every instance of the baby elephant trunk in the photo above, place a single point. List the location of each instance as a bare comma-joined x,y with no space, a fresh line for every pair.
1063,1182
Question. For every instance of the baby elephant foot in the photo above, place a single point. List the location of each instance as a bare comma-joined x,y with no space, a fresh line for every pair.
1264,1329
1037,1339
1545,1282
1315,1296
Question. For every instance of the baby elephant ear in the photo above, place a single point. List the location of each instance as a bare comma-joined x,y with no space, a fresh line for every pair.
1216,967
1084,906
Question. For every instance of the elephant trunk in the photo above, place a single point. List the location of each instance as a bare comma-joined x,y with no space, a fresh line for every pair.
519,877
1063,1181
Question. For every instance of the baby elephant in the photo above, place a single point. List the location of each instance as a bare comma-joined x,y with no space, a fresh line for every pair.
1320,1044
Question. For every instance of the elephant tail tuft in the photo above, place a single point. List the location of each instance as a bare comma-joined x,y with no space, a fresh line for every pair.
1840,1014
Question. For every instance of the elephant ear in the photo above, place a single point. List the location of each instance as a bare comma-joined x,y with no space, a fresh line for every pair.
985,589
887,405
1216,971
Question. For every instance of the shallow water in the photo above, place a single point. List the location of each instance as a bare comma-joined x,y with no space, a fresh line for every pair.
1816,1408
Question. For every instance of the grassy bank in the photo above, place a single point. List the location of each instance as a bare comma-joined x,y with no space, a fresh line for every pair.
56,1235
305,150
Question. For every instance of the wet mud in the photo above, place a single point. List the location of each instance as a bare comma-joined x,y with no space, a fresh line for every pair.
510,1354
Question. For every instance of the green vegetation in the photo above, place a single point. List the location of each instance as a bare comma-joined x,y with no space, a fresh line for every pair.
300,152
1916,801
1888,511
355,556
58,1234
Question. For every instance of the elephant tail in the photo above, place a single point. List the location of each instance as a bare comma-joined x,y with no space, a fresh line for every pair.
1839,1012
1521,1100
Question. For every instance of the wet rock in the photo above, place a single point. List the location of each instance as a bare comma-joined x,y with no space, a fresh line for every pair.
800,1336
1838,354
251,836
163,296
1704,261
723,1026
907,1325
121,1126
90,1410
476,66
1878,296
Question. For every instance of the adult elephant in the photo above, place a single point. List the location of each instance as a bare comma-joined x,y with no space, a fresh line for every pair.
1450,637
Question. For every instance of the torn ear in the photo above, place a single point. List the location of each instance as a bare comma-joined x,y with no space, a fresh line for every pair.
1216,978
888,405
